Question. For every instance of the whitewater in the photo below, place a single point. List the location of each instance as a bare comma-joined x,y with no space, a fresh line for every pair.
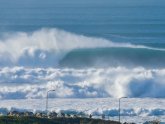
90,52
34,67
132,109
34,61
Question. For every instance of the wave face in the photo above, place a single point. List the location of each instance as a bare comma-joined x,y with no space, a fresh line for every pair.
114,57
53,48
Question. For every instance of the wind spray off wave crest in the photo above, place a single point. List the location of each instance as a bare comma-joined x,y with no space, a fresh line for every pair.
47,47
44,47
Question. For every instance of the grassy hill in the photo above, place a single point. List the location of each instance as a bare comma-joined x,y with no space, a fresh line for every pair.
35,120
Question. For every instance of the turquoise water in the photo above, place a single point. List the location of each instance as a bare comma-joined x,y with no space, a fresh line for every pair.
118,20
82,48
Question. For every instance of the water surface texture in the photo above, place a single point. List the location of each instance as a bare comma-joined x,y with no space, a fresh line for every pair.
89,48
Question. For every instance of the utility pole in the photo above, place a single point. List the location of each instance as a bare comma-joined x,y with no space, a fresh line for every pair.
47,99
119,106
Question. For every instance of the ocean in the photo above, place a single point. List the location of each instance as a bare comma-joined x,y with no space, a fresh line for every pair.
119,21
89,48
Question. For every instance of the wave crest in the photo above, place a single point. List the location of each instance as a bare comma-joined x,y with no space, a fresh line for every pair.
46,47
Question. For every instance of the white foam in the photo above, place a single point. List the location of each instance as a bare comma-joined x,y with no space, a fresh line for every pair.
132,110
21,82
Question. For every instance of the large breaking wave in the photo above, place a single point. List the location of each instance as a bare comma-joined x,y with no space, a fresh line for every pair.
44,47
33,63
53,47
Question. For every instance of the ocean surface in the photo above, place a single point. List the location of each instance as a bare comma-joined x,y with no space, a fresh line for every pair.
132,110
82,48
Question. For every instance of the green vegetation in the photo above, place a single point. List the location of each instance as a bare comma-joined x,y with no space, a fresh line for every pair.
58,120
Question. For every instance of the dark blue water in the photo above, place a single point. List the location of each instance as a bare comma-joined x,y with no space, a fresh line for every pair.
129,21
105,57
118,20
110,40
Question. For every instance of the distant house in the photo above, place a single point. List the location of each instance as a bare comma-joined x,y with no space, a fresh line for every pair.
128,123
44,115
75,116
38,114
52,115
28,114
21,114
103,116
153,122
9,114
63,115
68,115
14,113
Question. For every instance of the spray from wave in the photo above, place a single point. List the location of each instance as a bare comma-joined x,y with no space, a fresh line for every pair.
43,47
49,48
